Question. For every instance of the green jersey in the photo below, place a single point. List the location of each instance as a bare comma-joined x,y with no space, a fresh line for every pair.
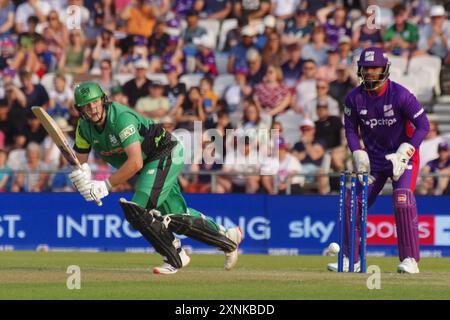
123,126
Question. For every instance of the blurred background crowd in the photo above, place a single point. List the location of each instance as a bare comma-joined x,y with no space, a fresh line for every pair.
229,64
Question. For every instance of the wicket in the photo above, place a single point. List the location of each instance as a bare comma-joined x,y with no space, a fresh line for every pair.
352,216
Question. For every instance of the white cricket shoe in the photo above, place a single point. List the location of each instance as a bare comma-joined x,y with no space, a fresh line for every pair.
334,266
231,258
167,268
408,265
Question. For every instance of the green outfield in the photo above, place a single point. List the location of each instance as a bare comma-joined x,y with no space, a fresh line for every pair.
42,275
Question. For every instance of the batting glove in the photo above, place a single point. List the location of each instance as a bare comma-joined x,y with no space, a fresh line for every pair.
400,159
80,175
94,190
362,164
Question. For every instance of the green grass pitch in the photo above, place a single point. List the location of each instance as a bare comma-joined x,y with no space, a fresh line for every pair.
42,275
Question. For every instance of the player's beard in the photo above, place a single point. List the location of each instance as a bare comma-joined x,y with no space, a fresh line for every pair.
100,119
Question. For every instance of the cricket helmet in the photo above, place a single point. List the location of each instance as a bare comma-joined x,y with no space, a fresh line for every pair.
370,58
88,92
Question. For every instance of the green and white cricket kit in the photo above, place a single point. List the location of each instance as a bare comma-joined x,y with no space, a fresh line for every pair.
157,186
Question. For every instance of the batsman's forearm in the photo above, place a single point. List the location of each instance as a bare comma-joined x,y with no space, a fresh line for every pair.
126,171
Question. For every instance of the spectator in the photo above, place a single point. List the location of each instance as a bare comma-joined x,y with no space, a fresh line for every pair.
205,61
256,69
428,148
16,102
192,31
317,49
94,30
76,57
7,14
61,97
17,152
55,35
138,86
401,38
191,110
253,125
330,130
365,36
272,96
139,17
436,185
435,36
341,86
239,53
243,160
292,68
270,27
216,9
34,131
345,51
168,123
137,50
108,8
118,95
155,105
310,152
299,30
106,80
35,94
35,179
284,9
327,72
337,27
158,41
60,181
223,125
174,90
105,48
39,8
306,88
209,99
272,52
182,7
251,10
5,174
235,94
27,38
284,170
323,98
172,57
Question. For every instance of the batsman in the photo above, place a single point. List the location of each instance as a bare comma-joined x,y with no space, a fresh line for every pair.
137,145
391,124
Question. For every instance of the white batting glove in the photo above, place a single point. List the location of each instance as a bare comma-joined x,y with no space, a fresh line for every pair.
93,190
80,175
400,159
362,164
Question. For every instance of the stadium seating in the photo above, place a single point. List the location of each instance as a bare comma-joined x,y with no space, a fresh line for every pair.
191,80
222,82
227,25
212,27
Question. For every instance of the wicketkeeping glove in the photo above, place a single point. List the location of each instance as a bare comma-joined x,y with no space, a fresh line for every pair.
362,164
400,159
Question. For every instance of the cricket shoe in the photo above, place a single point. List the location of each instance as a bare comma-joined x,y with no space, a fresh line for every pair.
231,258
408,265
167,268
334,266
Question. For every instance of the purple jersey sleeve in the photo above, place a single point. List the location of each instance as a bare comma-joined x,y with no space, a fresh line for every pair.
351,124
415,113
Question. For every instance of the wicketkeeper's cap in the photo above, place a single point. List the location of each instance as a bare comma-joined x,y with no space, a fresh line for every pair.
373,57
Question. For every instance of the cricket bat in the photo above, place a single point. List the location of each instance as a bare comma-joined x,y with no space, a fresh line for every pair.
58,138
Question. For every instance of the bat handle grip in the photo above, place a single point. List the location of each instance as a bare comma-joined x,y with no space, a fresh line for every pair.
99,202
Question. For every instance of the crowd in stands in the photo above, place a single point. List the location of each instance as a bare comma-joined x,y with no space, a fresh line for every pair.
228,64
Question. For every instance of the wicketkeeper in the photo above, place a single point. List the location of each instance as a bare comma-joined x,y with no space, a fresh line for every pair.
392,125
136,145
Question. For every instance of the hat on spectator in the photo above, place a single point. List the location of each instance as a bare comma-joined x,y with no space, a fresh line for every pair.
167,120
156,84
443,146
248,31
437,11
252,54
116,90
204,41
307,123
141,64
63,124
344,39
270,21
9,72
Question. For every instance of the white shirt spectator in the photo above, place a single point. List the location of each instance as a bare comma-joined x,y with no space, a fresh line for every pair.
429,150
310,108
25,10
305,91
236,161
281,170
438,48
285,7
